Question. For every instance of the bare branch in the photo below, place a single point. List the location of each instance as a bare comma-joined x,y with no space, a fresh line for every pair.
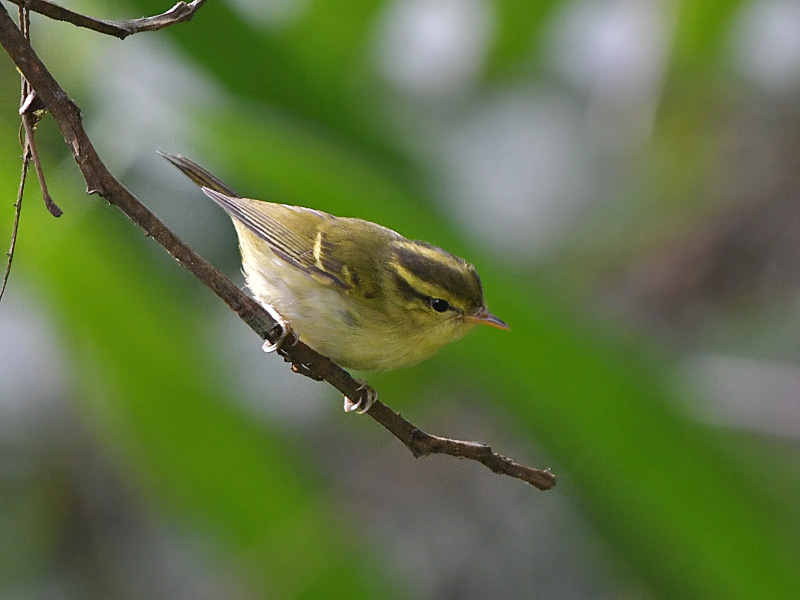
304,360
179,13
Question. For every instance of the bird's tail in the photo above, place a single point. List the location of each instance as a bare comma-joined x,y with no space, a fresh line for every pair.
199,175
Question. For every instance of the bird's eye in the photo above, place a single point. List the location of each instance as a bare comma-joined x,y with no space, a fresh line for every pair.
439,305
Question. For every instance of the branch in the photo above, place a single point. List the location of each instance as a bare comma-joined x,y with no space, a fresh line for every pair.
424,444
120,29
304,360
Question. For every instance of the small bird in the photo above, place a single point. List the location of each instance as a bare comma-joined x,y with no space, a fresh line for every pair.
357,292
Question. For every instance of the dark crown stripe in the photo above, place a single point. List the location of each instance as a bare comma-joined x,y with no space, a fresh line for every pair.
437,267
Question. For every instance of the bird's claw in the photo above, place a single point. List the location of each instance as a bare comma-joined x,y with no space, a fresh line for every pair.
286,330
365,400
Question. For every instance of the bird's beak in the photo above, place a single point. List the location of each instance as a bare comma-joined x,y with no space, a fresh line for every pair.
484,316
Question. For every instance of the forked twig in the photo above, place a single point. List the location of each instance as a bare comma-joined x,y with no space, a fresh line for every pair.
30,111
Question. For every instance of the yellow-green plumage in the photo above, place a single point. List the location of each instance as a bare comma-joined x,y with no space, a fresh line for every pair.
353,290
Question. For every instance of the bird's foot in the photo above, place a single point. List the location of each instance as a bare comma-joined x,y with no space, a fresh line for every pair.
286,331
365,401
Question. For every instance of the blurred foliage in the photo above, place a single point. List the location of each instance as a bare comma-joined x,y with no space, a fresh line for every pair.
692,510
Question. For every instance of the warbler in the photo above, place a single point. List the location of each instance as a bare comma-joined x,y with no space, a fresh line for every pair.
355,291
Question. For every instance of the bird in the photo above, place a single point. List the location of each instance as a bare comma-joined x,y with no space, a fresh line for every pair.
357,292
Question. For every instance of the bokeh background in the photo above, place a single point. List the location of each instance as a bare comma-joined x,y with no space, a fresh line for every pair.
625,174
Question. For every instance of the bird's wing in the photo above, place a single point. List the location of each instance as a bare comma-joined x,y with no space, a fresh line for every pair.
296,234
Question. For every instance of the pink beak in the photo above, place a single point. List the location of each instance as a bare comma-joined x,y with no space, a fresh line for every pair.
484,316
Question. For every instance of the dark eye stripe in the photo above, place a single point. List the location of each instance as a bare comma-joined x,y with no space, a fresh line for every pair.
408,292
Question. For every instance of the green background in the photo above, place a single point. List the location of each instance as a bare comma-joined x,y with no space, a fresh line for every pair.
149,448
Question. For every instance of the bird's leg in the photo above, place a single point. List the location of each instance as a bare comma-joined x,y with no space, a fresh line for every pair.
286,330
365,400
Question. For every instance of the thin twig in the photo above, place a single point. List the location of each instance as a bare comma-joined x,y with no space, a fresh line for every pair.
304,360
182,11
15,227
29,124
